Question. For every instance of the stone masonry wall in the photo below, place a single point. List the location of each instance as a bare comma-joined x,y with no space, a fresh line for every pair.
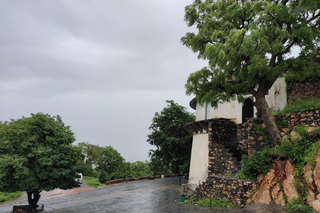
221,161
221,133
310,87
249,138
228,188
303,118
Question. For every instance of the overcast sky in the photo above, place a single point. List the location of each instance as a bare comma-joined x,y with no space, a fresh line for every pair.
104,66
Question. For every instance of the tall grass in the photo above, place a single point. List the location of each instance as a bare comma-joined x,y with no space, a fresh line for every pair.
8,196
92,181
301,105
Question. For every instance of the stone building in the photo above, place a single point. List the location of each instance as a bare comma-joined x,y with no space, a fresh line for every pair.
219,139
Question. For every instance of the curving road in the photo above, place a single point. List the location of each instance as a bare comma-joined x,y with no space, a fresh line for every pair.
160,195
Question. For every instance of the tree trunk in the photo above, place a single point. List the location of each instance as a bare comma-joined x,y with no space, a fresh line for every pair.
33,198
268,119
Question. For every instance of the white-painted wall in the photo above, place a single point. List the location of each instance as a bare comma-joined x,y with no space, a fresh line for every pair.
198,172
276,99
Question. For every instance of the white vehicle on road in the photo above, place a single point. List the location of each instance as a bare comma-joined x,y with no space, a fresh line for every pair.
79,179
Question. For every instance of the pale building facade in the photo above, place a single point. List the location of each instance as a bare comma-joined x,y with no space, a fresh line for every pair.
237,112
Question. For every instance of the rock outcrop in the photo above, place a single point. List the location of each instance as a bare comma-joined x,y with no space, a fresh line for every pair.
277,185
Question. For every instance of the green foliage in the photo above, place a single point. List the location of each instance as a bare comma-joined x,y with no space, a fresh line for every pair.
257,163
8,196
297,151
316,133
172,141
215,201
102,177
301,105
247,45
300,151
105,160
36,153
298,205
92,182
301,131
301,187
281,123
263,131
140,169
109,160
312,153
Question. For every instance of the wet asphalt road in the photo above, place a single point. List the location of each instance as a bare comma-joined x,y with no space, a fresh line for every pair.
161,195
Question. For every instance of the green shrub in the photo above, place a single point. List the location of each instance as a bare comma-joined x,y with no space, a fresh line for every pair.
312,153
257,163
8,196
297,205
102,177
215,201
316,133
92,181
301,131
263,131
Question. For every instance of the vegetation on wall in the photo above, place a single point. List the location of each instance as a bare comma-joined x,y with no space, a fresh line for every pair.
300,105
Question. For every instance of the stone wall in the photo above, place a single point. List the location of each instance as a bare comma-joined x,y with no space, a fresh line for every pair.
249,138
221,161
309,88
228,188
221,133
126,180
303,118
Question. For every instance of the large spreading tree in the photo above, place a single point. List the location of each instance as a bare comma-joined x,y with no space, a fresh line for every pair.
247,44
36,153
172,141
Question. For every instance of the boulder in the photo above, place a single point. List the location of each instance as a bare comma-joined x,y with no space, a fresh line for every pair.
294,136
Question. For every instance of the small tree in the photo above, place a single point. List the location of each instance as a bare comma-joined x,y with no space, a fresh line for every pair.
171,139
36,153
247,44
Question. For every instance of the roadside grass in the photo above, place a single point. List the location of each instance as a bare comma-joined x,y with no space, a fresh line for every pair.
6,196
92,182
300,105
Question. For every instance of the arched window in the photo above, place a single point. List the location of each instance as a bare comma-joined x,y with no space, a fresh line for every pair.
247,110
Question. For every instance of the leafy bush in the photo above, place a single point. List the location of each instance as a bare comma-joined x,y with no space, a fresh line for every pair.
102,177
312,153
215,201
297,205
92,181
297,150
316,133
301,131
7,196
257,163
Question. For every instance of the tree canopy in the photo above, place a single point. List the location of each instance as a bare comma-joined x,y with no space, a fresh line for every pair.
36,153
172,141
248,45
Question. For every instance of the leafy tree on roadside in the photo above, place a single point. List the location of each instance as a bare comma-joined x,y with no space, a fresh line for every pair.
91,154
172,141
105,161
247,44
36,153
140,169
109,160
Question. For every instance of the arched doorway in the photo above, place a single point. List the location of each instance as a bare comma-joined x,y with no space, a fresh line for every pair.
247,110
